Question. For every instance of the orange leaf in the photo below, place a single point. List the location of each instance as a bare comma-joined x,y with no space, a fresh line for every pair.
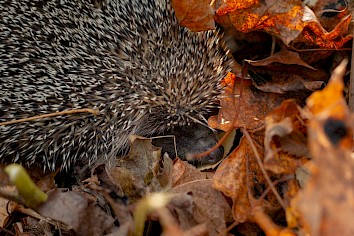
280,18
197,15
326,204
315,34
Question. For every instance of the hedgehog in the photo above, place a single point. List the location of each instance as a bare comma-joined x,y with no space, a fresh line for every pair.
129,60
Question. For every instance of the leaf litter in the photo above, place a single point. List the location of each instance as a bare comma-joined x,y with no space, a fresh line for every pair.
290,173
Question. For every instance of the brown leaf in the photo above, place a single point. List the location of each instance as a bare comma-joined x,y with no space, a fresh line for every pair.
286,81
284,57
6,206
240,173
326,205
330,12
183,172
197,15
285,139
207,206
271,74
142,170
76,211
248,111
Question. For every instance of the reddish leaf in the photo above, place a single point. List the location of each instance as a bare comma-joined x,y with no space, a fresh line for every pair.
315,35
280,18
248,111
197,15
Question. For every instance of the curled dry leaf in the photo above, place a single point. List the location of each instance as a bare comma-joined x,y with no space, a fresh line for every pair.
280,18
285,140
329,12
283,57
206,205
296,76
326,204
142,171
290,21
183,172
195,201
315,35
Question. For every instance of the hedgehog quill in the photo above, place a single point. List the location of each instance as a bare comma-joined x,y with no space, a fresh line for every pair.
129,59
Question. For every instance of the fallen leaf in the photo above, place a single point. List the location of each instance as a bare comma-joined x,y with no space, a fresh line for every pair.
279,18
142,171
283,80
183,172
238,175
76,211
285,140
283,57
6,206
197,15
326,205
247,110
207,206
314,34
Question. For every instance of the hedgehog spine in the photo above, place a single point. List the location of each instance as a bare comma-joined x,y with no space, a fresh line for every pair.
130,60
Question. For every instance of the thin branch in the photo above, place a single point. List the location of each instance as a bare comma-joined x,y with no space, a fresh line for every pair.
68,112
264,172
351,83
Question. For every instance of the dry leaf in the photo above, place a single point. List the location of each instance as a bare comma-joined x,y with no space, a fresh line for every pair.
240,173
183,172
326,205
285,139
280,18
197,15
284,57
76,211
248,111
315,35
206,205
142,171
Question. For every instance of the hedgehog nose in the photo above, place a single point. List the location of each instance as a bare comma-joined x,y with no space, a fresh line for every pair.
214,156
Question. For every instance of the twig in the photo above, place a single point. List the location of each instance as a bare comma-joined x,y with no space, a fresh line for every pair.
273,46
264,172
351,83
225,231
284,178
68,112
206,153
321,49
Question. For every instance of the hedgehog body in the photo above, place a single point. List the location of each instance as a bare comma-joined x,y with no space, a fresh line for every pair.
129,59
